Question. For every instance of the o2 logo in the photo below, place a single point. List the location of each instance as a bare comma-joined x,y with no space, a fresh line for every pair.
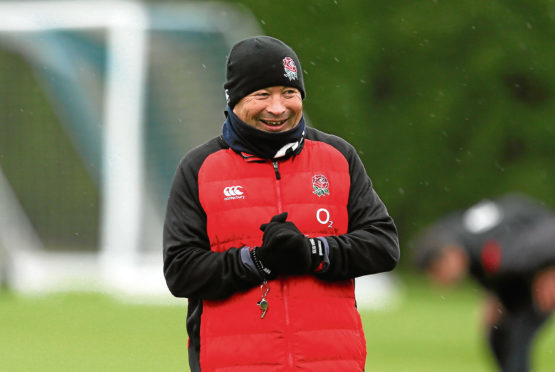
323,217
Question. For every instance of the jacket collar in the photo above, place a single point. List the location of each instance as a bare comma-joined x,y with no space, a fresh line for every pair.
253,143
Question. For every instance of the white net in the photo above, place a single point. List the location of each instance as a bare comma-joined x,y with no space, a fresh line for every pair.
98,102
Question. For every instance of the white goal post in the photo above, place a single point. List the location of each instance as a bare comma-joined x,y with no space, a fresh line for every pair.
120,265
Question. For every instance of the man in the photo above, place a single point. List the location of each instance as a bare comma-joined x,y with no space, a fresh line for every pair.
268,224
508,246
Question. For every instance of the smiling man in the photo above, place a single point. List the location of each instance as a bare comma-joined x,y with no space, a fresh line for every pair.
273,109
267,226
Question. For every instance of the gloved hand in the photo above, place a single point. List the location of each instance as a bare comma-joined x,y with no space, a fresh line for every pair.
285,250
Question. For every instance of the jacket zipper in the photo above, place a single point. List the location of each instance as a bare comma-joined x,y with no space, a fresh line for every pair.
284,286
285,294
276,170
278,186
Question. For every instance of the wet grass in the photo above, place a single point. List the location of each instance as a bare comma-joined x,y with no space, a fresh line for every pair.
429,330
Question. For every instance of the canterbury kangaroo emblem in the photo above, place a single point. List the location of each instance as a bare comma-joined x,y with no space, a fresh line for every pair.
234,192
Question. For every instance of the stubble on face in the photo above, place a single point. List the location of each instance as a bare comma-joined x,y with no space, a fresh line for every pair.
273,109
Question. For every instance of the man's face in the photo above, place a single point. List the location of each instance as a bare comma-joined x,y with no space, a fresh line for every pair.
450,267
273,109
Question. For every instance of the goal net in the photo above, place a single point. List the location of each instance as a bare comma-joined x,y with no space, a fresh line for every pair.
98,102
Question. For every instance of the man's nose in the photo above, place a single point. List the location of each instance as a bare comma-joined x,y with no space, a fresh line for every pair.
276,106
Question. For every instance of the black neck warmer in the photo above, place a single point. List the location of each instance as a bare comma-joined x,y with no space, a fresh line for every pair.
244,138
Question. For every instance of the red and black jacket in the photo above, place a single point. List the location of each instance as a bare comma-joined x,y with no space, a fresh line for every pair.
217,203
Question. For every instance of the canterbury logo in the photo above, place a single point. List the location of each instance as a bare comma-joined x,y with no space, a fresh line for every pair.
233,192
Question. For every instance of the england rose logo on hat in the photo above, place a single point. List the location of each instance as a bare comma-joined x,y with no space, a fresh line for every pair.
290,68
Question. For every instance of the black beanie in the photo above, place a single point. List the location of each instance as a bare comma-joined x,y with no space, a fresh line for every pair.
261,62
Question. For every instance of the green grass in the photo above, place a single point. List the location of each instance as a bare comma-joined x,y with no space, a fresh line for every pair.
89,332
439,329
429,330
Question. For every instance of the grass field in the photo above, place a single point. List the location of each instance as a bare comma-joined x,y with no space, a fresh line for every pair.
430,330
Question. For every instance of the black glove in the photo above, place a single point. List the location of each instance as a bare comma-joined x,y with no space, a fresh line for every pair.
285,250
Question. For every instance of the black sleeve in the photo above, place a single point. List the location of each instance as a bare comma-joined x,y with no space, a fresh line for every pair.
530,249
528,236
371,244
191,269
524,232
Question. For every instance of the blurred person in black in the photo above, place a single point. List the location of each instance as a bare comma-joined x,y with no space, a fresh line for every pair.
508,245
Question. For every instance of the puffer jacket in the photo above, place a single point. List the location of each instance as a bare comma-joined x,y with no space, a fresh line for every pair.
218,200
